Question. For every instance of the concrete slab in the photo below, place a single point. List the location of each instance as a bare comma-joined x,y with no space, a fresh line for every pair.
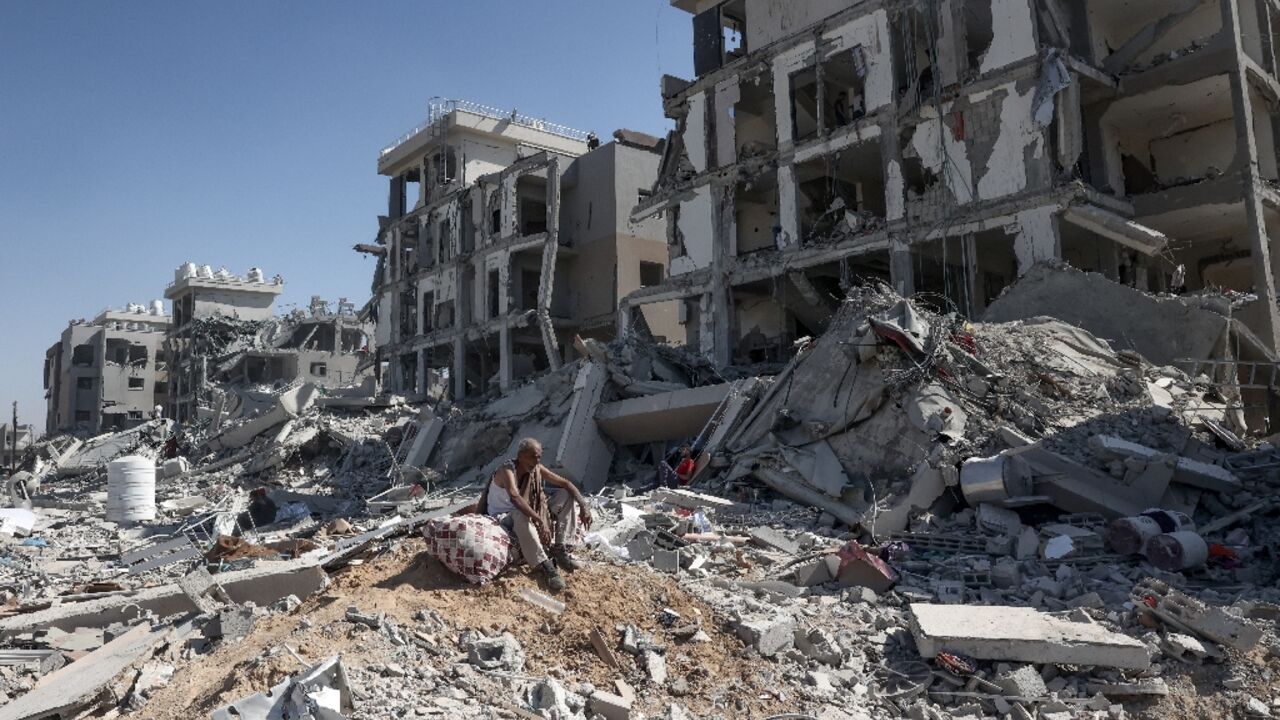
61,692
584,454
662,417
1021,635
1187,471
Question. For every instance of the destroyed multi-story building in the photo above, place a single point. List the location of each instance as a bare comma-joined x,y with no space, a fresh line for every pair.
226,335
946,146
109,373
505,237
199,294
13,447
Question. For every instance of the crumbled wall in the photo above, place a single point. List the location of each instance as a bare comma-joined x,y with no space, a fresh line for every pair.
697,225
1037,236
695,132
1006,169
948,158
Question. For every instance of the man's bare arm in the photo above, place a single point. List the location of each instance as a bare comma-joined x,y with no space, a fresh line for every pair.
562,483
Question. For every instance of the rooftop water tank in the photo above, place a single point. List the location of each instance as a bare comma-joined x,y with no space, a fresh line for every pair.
206,272
185,270
157,307
131,489
255,275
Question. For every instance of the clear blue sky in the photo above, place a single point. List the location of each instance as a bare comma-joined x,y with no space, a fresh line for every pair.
135,136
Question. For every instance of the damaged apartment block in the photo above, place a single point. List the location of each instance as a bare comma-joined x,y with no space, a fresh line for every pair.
505,237
945,147
108,374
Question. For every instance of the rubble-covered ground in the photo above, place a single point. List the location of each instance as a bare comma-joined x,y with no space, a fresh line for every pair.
917,516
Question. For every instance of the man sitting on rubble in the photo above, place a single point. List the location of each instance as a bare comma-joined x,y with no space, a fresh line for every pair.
516,497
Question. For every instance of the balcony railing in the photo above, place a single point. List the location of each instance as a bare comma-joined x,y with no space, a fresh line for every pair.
440,108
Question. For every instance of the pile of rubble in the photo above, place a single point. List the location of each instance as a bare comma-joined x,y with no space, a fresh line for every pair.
916,516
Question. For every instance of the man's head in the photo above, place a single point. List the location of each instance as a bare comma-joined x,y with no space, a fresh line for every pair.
528,453
686,451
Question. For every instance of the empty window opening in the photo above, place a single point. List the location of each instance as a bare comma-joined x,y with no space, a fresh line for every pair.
137,383
979,31
804,104
756,214
755,118
719,36
913,56
532,194
841,195
428,311
82,416
964,274
135,414
445,165
408,314
468,235
319,369
675,236
651,273
82,355
764,329
494,290
412,189
162,387
844,88
84,383
409,372
530,279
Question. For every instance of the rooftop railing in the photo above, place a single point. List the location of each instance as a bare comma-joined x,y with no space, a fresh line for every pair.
440,108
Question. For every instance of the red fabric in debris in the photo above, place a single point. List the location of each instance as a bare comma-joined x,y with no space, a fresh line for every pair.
473,546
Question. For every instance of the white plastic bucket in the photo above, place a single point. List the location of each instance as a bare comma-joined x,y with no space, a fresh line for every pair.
131,489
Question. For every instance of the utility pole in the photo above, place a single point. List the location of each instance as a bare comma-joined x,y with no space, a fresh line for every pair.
13,458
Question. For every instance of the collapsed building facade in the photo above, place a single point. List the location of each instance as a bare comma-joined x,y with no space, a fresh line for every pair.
226,338
14,444
109,373
946,147
506,236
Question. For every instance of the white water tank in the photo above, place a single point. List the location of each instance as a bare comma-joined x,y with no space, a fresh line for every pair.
131,489
157,307
185,270
255,275
206,272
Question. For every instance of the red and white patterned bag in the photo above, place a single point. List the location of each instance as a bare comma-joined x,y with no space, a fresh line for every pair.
473,546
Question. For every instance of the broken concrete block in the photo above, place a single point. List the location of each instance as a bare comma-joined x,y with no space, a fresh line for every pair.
321,692
661,417
1023,635
998,519
667,561
1183,647
610,706
656,666
231,624
814,572
1024,682
862,569
768,636
1186,471
770,538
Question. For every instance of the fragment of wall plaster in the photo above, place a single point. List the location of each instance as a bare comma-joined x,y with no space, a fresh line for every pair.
728,94
697,225
1014,34
1006,171
935,144
895,191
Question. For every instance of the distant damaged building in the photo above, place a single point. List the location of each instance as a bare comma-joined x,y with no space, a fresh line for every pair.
505,237
226,337
107,374
945,147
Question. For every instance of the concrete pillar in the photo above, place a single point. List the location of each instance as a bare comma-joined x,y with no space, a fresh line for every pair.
422,182
505,366
1267,324
901,273
547,279
458,372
